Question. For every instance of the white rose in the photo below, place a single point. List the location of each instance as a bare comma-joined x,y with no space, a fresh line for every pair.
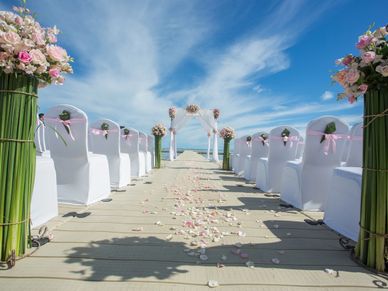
383,70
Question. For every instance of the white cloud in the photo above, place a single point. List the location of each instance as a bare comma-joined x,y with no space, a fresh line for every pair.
327,95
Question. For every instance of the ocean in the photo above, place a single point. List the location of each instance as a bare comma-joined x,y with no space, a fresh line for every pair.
166,156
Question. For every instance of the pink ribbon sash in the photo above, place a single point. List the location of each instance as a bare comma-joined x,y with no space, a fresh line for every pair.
330,140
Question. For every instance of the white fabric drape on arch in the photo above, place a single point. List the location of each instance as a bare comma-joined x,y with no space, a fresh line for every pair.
205,118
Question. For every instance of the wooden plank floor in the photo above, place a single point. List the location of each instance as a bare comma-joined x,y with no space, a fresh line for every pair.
139,240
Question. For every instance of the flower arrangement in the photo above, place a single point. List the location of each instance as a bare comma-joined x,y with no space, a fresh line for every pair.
65,119
192,108
159,130
285,136
216,113
263,138
126,133
28,48
367,71
329,129
29,59
172,112
105,127
227,133
249,139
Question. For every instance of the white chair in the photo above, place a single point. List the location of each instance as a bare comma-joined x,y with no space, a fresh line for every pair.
83,177
119,163
306,183
235,155
44,200
269,170
245,150
151,149
300,149
143,149
259,150
130,145
354,153
342,211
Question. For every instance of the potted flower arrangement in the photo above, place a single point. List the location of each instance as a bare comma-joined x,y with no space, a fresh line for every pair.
367,74
227,133
172,112
216,113
159,130
29,58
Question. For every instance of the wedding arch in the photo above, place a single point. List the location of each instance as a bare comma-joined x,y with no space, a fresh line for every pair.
206,117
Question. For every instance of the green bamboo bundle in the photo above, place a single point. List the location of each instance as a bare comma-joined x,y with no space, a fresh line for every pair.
372,243
158,151
226,159
18,105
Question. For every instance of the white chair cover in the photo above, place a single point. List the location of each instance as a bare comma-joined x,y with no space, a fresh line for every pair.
235,155
151,149
300,149
245,150
354,155
44,200
342,210
306,183
143,148
119,163
131,146
269,170
82,177
259,150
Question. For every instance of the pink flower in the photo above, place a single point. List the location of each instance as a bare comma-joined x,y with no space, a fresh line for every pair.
364,41
352,75
51,38
363,88
18,20
56,53
60,80
368,57
10,38
38,38
340,77
54,73
24,57
383,70
352,99
38,57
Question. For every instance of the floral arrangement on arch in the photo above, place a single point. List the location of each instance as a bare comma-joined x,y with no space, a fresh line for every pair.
172,112
28,48
227,133
192,108
159,130
367,71
216,113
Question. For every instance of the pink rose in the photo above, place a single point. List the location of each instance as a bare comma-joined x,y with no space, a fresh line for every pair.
56,53
38,38
3,56
368,57
364,41
347,60
54,73
352,75
38,57
51,38
352,99
363,88
383,70
60,80
24,57
11,38
18,20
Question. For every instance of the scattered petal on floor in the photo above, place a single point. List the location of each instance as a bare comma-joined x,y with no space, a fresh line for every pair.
219,265
250,264
276,261
212,284
137,229
169,237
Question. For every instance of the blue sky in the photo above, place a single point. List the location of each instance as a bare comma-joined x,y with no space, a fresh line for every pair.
262,63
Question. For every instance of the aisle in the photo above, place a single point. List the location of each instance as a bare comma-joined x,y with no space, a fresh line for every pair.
180,227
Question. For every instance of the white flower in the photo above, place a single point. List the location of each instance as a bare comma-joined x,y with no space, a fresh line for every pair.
383,70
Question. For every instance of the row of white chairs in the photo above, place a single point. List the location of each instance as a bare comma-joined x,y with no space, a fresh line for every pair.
76,163
314,175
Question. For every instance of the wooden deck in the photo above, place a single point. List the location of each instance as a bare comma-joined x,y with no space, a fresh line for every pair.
138,241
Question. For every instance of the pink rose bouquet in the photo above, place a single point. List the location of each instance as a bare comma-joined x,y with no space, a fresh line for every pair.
227,133
192,108
28,48
367,71
172,112
159,130
216,113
